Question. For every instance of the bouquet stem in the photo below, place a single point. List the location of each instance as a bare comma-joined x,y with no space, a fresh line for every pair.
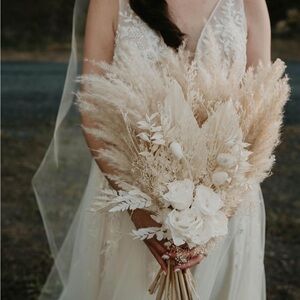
173,285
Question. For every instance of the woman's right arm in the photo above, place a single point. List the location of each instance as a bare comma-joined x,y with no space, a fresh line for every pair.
99,44
99,39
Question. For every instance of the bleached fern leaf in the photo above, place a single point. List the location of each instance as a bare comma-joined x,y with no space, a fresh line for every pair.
148,233
131,200
103,200
120,200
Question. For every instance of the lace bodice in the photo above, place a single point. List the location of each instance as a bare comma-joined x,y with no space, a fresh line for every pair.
225,29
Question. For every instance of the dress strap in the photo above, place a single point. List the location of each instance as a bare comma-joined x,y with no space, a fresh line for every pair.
122,6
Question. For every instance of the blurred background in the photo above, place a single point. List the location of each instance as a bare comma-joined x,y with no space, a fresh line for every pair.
35,48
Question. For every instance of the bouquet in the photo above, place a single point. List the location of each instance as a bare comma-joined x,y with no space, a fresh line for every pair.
187,140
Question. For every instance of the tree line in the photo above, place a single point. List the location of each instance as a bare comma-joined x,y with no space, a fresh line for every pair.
36,24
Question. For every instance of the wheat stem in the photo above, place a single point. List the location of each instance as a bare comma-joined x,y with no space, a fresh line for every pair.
154,284
162,284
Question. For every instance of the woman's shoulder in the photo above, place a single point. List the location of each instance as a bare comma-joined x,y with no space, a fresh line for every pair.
259,32
108,10
254,2
256,8
257,13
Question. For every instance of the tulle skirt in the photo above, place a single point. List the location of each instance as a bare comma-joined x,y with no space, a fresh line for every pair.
107,264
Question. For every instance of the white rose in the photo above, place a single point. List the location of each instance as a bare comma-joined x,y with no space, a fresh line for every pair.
180,194
195,229
226,160
183,225
217,224
213,226
206,201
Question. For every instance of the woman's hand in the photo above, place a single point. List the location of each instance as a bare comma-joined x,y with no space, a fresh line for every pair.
141,219
185,258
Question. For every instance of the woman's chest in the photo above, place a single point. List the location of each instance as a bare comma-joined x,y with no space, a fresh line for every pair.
224,30
190,17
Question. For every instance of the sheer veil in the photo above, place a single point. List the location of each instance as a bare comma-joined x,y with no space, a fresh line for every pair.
61,179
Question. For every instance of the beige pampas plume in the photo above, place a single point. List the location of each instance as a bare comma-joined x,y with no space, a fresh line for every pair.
264,93
138,86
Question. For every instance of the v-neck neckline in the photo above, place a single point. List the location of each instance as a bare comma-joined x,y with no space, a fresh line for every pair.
201,34
206,24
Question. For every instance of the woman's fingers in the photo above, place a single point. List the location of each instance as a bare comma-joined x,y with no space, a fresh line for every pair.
158,251
158,257
172,254
157,245
161,254
183,253
192,262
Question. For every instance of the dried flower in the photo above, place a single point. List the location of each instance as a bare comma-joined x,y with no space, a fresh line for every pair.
157,138
226,160
176,149
144,136
218,178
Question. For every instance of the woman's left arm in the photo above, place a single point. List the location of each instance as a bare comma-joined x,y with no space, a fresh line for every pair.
259,32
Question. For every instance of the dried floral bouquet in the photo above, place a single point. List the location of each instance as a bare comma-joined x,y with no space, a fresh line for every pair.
186,139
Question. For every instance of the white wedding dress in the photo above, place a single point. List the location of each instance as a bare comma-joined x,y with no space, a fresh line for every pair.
106,263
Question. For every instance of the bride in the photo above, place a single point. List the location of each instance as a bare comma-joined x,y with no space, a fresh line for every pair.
95,258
